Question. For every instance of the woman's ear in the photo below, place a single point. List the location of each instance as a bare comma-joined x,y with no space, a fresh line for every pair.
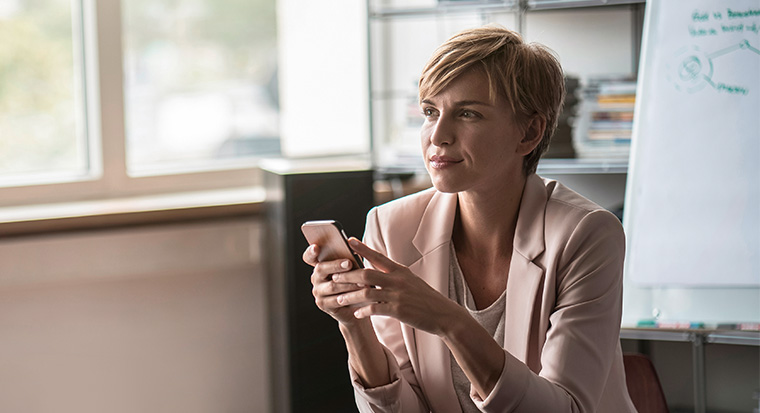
533,134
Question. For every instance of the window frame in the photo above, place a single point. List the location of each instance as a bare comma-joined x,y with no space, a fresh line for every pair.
108,177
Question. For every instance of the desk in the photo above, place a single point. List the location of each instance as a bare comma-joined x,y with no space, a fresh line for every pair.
698,339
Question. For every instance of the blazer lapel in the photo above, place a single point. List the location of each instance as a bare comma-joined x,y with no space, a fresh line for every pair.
522,291
525,277
432,242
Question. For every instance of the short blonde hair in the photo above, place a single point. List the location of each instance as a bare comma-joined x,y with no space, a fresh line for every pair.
527,75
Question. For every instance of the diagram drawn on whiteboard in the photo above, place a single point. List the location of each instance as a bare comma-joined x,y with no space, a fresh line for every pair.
691,69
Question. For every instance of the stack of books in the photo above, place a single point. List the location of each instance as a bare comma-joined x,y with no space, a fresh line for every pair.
605,120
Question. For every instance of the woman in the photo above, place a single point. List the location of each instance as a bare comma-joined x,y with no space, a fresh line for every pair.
496,290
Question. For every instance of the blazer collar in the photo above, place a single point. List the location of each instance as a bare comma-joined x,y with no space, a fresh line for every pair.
529,232
437,221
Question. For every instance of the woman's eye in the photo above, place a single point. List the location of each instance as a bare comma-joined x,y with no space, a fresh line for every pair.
428,112
468,114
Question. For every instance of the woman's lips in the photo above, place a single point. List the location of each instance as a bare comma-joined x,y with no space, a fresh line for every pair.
440,162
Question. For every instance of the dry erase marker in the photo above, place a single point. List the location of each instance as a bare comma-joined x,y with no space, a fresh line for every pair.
680,325
675,325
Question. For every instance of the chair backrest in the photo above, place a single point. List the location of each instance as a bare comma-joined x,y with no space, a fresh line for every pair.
643,384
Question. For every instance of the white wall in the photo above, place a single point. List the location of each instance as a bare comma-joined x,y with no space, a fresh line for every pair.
161,318
589,42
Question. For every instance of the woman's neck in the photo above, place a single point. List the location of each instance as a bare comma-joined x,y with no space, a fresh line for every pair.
486,221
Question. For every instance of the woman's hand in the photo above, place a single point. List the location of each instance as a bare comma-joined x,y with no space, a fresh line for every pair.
398,293
365,352
391,289
326,290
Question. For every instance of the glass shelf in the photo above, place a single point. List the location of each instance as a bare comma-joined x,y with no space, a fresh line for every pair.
431,8
442,7
569,4
582,166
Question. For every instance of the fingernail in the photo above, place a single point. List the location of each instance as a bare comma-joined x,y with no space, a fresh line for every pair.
345,264
353,241
336,277
341,299
358,314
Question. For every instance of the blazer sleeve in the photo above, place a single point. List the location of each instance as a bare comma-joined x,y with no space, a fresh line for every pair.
584,328
403,393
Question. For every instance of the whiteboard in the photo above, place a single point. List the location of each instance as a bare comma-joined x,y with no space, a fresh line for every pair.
692,209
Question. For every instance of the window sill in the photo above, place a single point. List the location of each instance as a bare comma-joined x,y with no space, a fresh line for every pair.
45,218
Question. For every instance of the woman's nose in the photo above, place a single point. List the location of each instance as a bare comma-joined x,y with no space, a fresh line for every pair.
442,133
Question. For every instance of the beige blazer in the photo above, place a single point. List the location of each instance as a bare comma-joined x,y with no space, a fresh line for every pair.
563,307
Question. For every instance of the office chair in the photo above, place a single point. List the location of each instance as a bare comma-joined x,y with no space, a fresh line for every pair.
643,384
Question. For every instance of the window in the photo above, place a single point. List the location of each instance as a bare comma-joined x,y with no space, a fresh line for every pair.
200,85
42,133
102,99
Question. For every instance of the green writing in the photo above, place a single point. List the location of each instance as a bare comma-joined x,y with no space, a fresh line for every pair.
695,67
732,14
698,16
734,90
733,28
700,32
739,28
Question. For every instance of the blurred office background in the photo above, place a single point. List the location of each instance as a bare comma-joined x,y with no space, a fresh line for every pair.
135,140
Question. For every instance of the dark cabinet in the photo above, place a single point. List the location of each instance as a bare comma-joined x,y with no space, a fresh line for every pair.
309,358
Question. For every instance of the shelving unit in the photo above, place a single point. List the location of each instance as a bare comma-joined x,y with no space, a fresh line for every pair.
393,133
698,340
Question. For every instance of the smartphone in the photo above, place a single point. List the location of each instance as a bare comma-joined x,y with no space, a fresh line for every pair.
332,241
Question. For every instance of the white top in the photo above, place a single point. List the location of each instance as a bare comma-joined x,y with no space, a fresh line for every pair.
491,318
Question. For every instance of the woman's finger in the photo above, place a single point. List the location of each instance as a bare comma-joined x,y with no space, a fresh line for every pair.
362,296
363,277
329,288
327,268
377,259
311,254
384,309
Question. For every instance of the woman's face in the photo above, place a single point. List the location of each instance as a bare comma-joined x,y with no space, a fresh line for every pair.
470,143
